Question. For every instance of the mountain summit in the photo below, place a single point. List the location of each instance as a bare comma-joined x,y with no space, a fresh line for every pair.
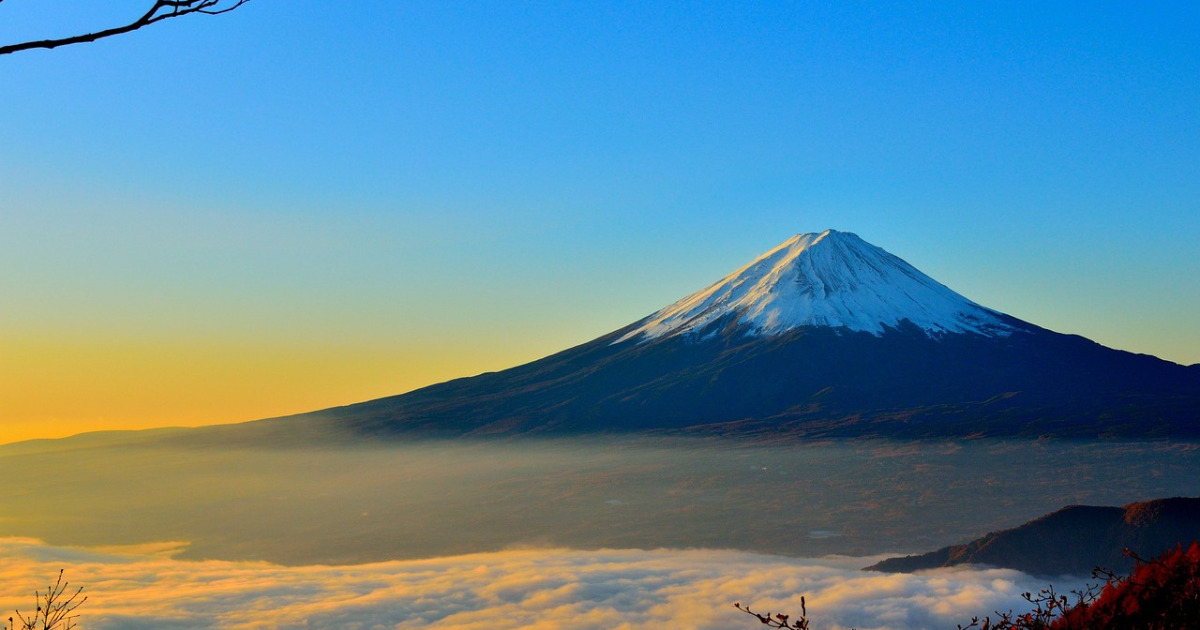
825,335
832,279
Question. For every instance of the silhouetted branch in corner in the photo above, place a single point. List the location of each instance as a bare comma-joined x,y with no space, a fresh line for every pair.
161,10
55,608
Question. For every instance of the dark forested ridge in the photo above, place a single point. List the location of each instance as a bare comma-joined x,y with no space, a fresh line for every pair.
1073,540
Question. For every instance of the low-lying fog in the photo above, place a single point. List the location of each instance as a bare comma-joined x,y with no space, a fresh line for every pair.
169,531
298,505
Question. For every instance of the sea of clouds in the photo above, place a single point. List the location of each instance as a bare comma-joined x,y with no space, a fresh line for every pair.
145,587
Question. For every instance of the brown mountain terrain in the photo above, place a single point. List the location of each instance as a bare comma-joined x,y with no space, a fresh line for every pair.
1072,541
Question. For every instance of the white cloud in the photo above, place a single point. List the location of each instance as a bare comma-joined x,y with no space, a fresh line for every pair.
546,588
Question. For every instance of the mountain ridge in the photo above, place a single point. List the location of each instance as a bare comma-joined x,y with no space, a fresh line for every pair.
1072,540
712,371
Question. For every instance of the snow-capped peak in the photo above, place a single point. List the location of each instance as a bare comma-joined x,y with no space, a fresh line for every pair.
832,279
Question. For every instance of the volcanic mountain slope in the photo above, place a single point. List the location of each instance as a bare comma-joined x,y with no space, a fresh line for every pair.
824,335
1073,540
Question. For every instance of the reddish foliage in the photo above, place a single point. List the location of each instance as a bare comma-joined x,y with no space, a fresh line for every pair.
1163,593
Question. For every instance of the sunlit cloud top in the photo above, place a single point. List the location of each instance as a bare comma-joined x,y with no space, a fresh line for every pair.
536,588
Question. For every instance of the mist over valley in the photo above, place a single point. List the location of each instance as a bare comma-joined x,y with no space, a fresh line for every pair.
349,504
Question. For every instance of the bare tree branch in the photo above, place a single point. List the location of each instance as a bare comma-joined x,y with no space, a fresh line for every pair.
55,608
161,10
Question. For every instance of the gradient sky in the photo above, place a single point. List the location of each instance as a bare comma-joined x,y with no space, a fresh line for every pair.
303,204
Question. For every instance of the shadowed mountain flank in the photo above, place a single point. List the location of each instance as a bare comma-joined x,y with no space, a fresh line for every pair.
824,335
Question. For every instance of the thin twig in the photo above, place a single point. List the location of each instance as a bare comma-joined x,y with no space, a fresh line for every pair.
161,10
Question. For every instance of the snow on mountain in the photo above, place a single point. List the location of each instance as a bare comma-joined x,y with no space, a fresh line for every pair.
832,279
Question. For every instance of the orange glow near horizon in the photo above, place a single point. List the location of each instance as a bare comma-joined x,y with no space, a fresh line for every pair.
54,388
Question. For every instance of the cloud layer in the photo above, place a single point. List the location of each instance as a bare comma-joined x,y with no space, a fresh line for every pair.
536,588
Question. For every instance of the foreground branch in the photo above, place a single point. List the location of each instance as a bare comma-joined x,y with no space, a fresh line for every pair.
55,609
162,10
779,620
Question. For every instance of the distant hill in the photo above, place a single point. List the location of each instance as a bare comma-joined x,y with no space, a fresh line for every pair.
1072,541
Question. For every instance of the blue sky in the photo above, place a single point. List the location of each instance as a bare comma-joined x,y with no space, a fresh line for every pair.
304,204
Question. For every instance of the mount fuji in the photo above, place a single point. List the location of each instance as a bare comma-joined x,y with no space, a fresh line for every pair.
833,280
825,335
